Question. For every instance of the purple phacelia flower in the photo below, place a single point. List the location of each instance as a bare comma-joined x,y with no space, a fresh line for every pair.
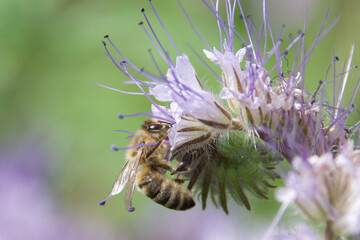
300,232
196,111
326,188
229,142
29,208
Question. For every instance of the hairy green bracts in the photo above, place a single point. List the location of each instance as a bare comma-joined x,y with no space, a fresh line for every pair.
233,166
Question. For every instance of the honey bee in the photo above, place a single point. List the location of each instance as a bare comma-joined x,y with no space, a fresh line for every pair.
146,165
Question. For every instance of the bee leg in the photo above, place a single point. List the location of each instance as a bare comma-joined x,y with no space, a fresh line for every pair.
185,163
182,168
179,180
164,166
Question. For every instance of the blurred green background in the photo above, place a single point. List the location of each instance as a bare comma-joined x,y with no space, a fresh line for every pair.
57,126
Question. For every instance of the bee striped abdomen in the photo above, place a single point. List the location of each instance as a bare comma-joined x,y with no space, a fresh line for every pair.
165,191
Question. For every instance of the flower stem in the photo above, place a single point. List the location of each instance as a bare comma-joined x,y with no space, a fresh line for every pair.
328,232
276,219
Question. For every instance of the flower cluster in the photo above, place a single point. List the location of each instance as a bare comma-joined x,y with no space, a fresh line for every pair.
228,143
326,188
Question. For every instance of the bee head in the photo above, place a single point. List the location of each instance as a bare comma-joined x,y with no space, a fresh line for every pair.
154,126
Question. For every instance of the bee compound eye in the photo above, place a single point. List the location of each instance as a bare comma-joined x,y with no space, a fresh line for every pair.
155,127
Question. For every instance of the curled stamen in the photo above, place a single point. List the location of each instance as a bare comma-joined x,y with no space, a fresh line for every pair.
155,63
205,64
218,17
113,60
131,64
115,148
166,32
122,116
193,27
320,35
157,39
118,90
344,81
248,31
122,64
355,92
102,203
146,94
125,131
153,43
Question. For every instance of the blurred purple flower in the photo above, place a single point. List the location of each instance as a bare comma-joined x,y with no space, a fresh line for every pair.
300,232
327,189
200,225
28,209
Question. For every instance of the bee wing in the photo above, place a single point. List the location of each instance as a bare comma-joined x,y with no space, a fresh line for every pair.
120,181
130,187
